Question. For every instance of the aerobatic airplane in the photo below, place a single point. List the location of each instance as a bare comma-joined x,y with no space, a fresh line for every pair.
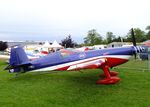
103,59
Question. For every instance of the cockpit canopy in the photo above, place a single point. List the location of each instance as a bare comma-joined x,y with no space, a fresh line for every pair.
67,52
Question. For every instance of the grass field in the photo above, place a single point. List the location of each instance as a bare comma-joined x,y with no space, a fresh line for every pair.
75,89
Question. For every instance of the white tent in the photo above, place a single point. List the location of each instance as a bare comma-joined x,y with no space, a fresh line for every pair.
55,45
46,44
44,47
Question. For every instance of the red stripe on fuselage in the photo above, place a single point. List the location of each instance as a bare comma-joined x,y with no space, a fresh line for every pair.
111,62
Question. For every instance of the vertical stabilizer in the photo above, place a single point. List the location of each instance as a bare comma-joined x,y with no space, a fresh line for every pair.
18,56
18,60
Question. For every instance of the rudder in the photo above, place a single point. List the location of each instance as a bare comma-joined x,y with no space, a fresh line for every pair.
17,56
18,59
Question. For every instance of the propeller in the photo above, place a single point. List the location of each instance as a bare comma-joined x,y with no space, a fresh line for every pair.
133,37
138,49
133,41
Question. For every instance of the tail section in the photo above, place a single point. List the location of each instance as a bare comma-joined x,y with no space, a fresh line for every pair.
18,60
17,56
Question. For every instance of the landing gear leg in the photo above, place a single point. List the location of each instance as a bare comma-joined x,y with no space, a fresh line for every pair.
108,79
112,73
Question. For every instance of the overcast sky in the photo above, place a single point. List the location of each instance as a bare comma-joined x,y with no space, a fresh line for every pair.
55,19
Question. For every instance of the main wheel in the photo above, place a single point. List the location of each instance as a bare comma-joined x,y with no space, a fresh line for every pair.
111,80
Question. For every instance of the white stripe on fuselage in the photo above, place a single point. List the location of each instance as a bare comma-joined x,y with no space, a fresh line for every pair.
80,65
81,61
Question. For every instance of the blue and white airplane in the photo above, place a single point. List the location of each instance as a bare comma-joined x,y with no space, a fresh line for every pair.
67,60
103,59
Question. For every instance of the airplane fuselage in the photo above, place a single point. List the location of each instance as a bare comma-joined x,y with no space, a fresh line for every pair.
58,61
103,59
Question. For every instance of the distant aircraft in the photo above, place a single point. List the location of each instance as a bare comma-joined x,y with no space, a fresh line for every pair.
58,61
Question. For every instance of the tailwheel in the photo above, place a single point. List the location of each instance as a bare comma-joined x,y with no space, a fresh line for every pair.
112,73
106,81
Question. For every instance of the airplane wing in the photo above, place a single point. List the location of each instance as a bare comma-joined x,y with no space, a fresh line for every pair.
97,63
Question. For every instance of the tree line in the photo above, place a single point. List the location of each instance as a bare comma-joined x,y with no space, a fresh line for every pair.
94,38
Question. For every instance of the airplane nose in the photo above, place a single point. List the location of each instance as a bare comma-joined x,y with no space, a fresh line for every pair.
139,49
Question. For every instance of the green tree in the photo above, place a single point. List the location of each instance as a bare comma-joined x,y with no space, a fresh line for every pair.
92,38
148,33
139,35
110,37
118,39
148,27
68,42
3,45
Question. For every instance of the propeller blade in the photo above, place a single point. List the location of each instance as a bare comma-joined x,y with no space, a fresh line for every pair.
133,40
133,37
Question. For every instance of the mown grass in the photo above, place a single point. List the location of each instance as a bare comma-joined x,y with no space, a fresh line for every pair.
75,89
136,64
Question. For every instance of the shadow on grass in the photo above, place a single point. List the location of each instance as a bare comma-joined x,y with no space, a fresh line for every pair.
88,77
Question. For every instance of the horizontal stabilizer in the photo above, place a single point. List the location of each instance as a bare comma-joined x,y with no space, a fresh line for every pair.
26,64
